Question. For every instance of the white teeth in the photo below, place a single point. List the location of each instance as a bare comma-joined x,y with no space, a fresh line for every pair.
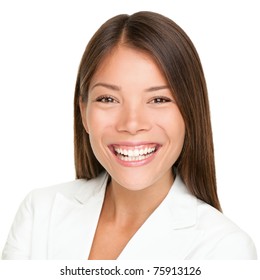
124,158
134,154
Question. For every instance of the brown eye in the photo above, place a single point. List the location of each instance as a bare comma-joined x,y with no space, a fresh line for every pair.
106,99
160,100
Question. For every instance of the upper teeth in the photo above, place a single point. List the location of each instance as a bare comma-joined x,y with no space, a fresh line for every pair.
134,152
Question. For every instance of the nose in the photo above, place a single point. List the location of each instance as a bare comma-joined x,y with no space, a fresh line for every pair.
133,119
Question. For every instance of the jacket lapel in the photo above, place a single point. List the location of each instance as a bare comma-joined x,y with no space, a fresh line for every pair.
169,233
73,222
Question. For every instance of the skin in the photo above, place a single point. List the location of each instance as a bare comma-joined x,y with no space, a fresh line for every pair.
131,106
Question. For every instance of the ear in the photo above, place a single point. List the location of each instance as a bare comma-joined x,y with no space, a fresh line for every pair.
83,112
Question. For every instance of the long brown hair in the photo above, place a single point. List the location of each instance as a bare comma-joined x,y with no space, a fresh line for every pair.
176,55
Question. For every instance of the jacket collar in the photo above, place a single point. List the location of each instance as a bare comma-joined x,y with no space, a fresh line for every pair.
169,233
182,204
73,224
87,193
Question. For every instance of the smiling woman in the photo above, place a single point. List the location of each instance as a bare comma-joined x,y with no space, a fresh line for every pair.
132,120
146,186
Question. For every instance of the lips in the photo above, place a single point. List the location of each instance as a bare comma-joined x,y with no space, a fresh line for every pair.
134,153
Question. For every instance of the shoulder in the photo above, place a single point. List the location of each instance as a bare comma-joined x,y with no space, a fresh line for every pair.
77,190
218,236
30,229
210,218
226,239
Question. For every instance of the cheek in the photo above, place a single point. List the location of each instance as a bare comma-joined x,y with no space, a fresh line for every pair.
95,119
179,131
173,124
176,135
180,128
99,122
95,124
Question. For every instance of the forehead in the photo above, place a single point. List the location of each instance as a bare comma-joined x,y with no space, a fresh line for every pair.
124,62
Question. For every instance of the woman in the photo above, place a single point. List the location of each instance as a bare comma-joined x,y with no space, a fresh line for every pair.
146,186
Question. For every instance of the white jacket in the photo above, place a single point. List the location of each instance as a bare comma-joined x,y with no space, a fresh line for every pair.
59,222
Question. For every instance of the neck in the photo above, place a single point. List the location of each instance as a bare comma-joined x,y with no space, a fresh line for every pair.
127,206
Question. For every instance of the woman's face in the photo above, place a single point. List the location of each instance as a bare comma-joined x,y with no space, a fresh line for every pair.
134,125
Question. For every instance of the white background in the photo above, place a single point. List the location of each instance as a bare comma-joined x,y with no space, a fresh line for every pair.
41,45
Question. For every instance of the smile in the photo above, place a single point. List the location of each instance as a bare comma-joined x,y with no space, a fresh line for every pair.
135,154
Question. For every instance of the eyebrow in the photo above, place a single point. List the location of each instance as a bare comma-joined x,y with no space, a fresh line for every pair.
117,88
108,86
151,89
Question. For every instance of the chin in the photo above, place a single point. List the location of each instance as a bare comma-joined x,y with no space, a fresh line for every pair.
134,183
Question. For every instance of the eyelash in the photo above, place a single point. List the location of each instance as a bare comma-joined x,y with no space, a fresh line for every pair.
155,100
106,99
162,99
